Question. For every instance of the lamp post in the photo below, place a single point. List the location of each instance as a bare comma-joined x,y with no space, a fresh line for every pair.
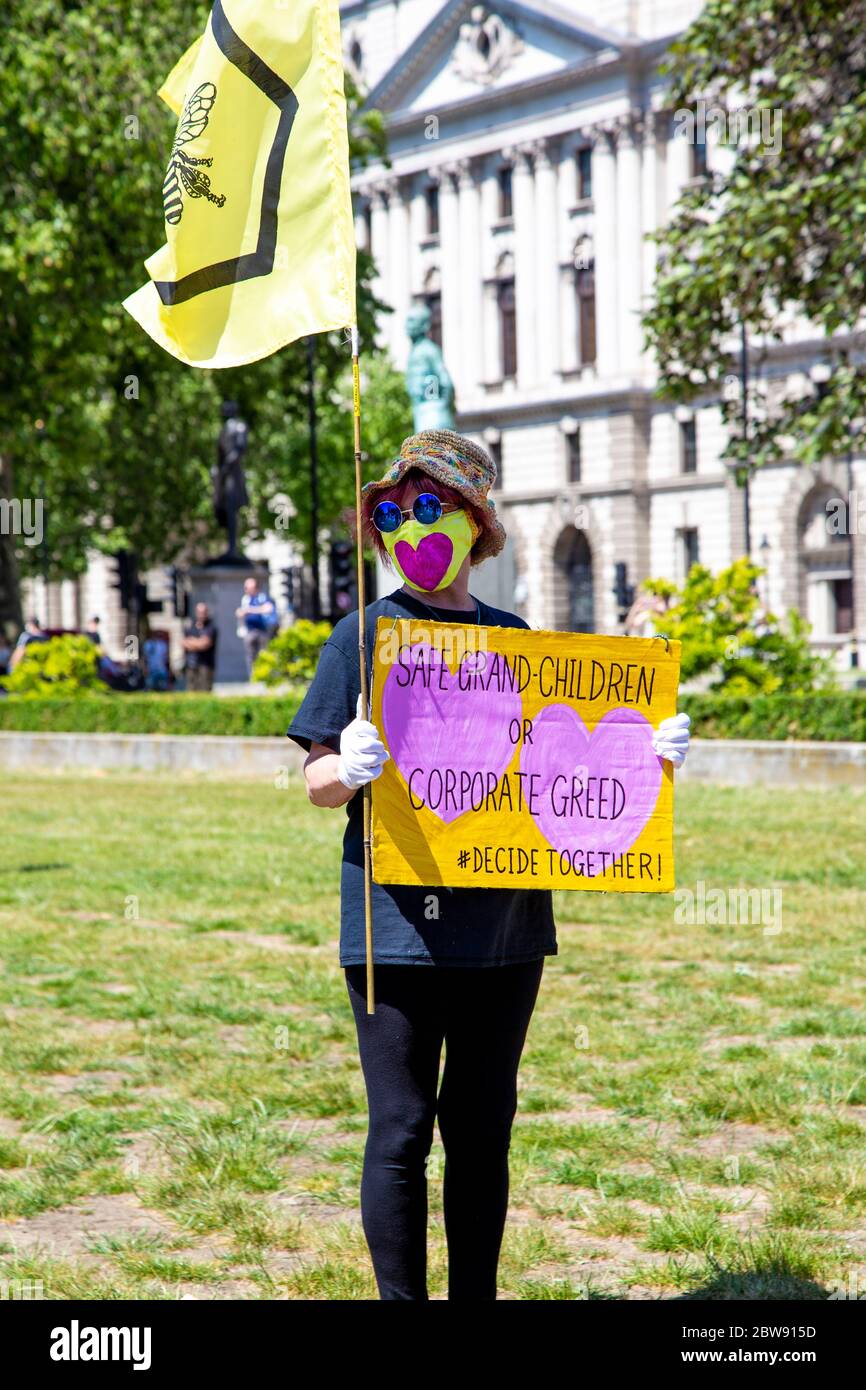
820,374
741,472
314,476
764,548
43,548
857,426
744,371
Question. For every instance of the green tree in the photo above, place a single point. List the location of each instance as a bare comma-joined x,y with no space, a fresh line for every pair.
780,232
283,444
109,429
728,634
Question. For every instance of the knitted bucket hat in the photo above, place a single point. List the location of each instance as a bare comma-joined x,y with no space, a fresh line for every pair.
458,463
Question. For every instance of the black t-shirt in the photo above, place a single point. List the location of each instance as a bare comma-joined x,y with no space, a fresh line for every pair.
207,657
422,926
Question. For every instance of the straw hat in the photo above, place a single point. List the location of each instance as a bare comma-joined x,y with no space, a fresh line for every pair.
458,463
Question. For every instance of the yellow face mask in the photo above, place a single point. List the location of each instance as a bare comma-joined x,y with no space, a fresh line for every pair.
429,557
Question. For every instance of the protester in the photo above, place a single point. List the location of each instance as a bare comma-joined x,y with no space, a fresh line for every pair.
199,644
486,946
258,621
91,630
33,632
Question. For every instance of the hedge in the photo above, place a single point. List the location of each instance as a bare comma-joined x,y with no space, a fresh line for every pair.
829,716
839,715
246,715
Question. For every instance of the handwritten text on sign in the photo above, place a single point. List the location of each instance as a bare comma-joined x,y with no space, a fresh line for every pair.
522,759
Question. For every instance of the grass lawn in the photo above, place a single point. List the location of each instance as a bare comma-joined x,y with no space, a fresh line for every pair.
181,1107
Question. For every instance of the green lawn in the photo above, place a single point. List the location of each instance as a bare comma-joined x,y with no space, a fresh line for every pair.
181,1108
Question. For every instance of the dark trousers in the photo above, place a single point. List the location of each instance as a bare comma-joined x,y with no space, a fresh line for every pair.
199,678
481,1015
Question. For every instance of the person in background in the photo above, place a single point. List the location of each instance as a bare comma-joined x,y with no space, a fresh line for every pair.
154,651
199,644
91,630
33,632
5,654
257,617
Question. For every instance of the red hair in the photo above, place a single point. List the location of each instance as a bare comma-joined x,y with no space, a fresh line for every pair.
418,479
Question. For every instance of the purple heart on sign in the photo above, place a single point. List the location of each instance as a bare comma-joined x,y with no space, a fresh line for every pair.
433,726
574,812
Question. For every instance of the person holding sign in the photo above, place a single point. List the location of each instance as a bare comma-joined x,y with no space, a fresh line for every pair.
458,967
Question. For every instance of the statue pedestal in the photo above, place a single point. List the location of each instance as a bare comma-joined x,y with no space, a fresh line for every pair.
221,587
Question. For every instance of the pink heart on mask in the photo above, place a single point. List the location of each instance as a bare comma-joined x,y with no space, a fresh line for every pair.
426,565
435,727
575,812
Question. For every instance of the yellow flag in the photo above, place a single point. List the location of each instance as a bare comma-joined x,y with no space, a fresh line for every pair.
260,246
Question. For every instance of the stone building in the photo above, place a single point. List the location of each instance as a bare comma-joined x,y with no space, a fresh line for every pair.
531,154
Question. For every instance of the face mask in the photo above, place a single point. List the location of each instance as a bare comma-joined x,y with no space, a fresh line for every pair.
428,557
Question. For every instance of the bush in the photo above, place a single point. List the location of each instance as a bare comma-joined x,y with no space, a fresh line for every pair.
247,716
293,654
62,666
831,715
727,634
827,716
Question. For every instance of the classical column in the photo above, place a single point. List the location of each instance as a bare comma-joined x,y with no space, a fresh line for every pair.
491,251
628,248
379,244
418,232
471,316
490,334
547,258
568,359
361,238
649,204
567,177
525,278
53,597
604,239
490,246
398,256
566,242
449,241
679,164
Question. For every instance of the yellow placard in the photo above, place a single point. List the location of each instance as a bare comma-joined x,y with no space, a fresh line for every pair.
522,759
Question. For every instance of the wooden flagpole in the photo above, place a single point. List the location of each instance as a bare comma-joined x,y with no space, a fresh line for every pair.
362,656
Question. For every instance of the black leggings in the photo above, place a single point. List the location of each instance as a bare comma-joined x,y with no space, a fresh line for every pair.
481,1014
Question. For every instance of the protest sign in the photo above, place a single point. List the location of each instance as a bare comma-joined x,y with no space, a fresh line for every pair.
522,759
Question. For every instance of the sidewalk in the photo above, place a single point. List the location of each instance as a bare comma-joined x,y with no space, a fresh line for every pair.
241,688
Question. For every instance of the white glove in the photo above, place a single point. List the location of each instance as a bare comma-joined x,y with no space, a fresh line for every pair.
671,739
362,752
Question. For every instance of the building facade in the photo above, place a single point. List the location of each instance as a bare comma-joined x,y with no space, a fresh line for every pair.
530,159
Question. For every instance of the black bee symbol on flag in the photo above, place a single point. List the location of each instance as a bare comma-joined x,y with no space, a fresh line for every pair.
184,173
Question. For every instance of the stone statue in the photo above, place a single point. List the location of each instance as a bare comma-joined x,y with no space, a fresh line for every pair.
229,482
485,47
430,387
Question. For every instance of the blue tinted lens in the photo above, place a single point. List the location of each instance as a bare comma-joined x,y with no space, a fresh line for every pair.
427,508
387,516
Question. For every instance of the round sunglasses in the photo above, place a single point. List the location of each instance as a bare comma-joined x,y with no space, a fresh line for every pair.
426,509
